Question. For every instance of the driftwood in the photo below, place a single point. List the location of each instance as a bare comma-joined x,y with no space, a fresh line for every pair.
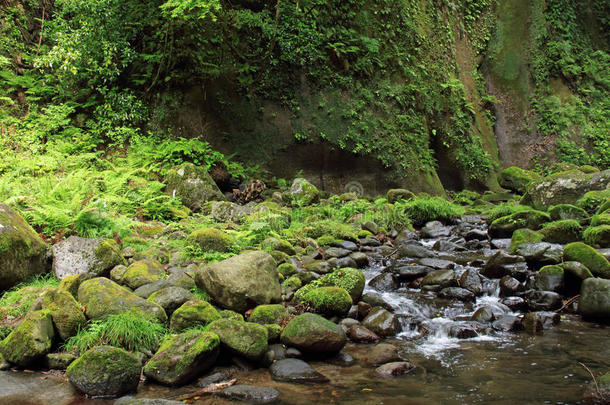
210,389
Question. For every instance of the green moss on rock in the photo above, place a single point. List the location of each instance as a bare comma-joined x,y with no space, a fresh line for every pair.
211,240
598,236
287,269
396,194
328,300
142,272
312,333
567,211
30,340
563,231
193,185
269,314
246,339
591,258
521,236
193,314
66,313
517,179
504,227
70,284
592,200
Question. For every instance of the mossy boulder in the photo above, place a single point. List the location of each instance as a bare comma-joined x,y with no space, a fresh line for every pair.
352,280
594,302
22,251
550,278
593,200
224,211
517,179
105,371
269,314
183,357
504,227
287,269
193,185
228,314
281,245
245,339
170,298
598,236
66,313
83,256
588,256
70,284
567,211
312,333
562,231
211,240
601,219
101,296
396,194
142,272
31,340
328,300
522,236
193,314
303,193
242,281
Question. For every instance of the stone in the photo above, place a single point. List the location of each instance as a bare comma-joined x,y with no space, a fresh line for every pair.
495,265
213,378
352,280
540,253
589,257
147,290
269,314
31,340
130,400
507,323
462,331
382,353
594,302
567,211
517,179
70,284
303,193
442,278
471,281
193,185
295,371
411,272
336,252
360,334
510,286
549,278
414,250
395,369
483,315
90,257
251,394
382,322
457,293
117,272
244,339
66,313
543,300
105,371
396,194
142,272
435,229
59,361
210,240
598,235
224,211
361,259
242,281
101,296
183,357
439,264
313,334
346,244
22,252
532,323
384,282
171,298
370,226
504,227
562,231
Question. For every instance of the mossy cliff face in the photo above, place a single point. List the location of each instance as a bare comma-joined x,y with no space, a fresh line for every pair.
22,251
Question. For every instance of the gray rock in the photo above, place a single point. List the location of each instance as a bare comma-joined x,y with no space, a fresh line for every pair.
495,266
435,229
414,250
146,290
458,293
295,370
346,244
541,253
411,272
439,264
171,298
129,400
510,286
381,322
442,278
313,334
471,281
483,315
543,300
30,340
382,353
507,323
224,211
594,302
251,394
193,185
361,259
360,334
213,378
384,282
395,369
336,252
91,257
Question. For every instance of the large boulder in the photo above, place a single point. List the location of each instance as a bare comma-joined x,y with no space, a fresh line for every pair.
269,314
91,257
22,251
594,302
193,185
105,371
564,188
242,281
211,240
245,339
591,258
517,179
314,334
29,341
328,300
303,193
183,357
193,314
142,272
101,296
66,313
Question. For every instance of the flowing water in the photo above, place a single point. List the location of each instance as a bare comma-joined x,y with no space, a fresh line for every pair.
490,368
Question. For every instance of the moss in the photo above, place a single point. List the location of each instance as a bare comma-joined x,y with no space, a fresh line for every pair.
292,283
193,314
273,332
517,179
363,233
563,231
108,254
601,219
70,284
182,357
66,313
505,226
586,255
396,194
313,333
502,210
588,169
328,300
211,240
287,269
592,200
598,235
521,236
142,272
269,314
326,240
279,257
552,270
605,206
567,211
30,340
244,338
303,193
275,244
352,280
228,314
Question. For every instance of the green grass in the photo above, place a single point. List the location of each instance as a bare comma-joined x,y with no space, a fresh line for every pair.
128,330
19,299
503,210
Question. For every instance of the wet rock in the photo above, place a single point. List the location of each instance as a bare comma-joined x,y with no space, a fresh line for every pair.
370,242
242,281
130,400
360,334
476,234
361,259
592,259
381,322
549,319
30,340
414,250
543,300
370,226
483,315
507,323
327,300
495,266
91,257
384,282
193,314
363,309
342,360
503,244
213,378
576,269
439,264
245,339
183,357
505,226
462,331
404,236
382,353
346,262
395,369
471,281
147,290
520,271
105,371
319,266
594,302
549,278
446,246
251,394
411,272
510,286
295,371
435,229
532,323
457,293
442,278
336,252
515,303
376,300
312,333
171,298
540,253
346,244
269,314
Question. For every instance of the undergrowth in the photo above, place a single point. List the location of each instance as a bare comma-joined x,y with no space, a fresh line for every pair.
18,300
